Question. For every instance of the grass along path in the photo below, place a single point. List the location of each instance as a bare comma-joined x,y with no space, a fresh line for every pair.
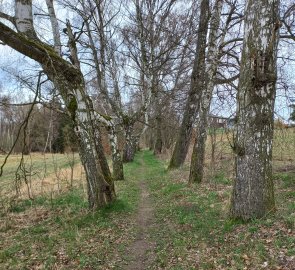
191,229
194,231
157,222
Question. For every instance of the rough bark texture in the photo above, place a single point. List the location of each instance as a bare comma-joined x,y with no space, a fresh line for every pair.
253,194
118,173
100,74
198,155
159,141
194,95
24,18
129,149
213,55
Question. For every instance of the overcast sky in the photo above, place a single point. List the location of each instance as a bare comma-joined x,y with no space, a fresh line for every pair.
18,64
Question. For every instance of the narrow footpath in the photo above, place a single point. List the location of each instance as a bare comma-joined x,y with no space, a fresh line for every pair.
141,252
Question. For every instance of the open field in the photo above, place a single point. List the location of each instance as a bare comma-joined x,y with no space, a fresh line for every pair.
57,172
39,174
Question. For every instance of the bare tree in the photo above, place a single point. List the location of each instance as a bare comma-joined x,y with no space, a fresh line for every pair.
194,95
214,54
69,80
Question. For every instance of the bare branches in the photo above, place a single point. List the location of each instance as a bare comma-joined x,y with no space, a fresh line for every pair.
23,126
7,17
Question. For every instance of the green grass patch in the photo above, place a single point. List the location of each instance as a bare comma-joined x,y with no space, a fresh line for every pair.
288,179
194,228
220,178
59,230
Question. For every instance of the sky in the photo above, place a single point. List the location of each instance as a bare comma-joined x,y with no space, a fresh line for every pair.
14,62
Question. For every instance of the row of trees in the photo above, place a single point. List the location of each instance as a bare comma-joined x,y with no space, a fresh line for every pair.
140,67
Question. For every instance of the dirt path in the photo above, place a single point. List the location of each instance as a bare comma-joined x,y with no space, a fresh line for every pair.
141,251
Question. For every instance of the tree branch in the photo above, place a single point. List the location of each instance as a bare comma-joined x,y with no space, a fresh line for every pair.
7,17
40,52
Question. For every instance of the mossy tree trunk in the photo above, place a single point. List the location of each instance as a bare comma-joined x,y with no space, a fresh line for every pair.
109,123
99,59
99,181
253,194
118,173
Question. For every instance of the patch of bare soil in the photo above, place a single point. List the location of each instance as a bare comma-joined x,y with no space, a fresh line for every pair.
141,252
286,168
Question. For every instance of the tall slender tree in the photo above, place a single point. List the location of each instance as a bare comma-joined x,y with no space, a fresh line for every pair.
194,95
214,53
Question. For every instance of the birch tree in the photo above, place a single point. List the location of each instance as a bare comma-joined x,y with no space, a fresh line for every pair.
94,17
151,39
214,53
198,155
253,194
69,80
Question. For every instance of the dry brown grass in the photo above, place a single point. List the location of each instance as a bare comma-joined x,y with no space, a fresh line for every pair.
44,175
223,161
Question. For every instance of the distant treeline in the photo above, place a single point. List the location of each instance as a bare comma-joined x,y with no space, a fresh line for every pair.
48,129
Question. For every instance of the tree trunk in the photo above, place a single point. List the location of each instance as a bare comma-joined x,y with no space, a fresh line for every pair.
129,151
118,173
151,141
100,184
135,141
194,95
213,55
158,119
198,155
253,194
159,142
54,26
69,81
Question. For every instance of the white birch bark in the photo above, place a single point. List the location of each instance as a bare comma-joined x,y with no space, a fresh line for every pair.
24,18
54,26
253,194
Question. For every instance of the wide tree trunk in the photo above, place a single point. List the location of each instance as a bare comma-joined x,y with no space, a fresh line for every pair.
253,194
194,95
100,184
198,155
